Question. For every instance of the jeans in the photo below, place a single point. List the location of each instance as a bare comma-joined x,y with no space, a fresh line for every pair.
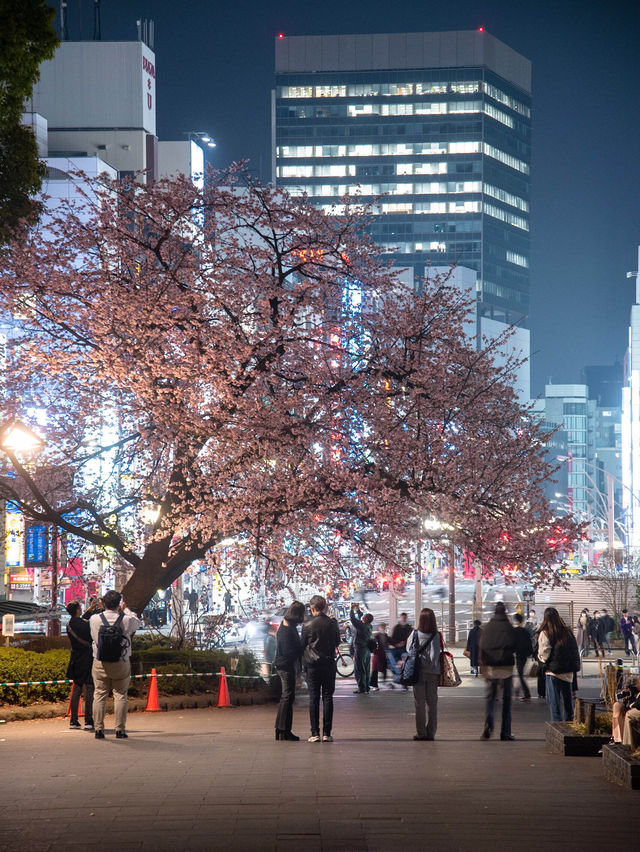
492,691
321,678
284,717
520,664
607,641
425,695
362,667
76,692
393,665
559,699
107,677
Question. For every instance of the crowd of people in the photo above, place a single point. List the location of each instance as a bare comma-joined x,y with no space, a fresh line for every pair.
499,650
595,631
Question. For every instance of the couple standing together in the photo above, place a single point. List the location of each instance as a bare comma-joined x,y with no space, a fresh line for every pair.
317,650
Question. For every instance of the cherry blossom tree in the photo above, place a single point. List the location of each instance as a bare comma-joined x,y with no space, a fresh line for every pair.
231,362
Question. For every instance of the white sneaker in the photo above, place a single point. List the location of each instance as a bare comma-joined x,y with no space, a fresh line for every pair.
375,689
88,727
327,738
314,738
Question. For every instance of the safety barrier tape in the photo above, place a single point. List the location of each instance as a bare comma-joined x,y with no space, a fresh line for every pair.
158,674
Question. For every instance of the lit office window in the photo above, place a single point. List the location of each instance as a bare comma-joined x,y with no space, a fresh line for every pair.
510,218
506,197
499,115
507,100
518,259
505,158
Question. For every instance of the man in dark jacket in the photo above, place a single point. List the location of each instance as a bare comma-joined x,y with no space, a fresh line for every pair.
79,668
320,638
524,650
497,653
363,644
608,626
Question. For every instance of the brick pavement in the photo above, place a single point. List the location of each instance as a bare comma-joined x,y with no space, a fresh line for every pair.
217,780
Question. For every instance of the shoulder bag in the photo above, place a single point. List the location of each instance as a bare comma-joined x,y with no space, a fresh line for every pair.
448,672
410,673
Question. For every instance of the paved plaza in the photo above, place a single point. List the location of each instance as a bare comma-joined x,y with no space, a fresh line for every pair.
217,780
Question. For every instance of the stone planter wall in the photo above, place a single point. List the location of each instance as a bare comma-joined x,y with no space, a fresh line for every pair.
562,739
619,766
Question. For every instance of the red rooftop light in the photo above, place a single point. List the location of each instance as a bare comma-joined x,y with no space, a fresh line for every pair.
280,35
480,30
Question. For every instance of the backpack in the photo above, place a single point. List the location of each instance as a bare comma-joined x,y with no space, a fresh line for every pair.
111,640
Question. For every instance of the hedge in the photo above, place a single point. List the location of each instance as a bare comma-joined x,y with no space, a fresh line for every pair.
18,664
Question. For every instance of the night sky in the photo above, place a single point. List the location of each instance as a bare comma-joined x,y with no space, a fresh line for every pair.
215,65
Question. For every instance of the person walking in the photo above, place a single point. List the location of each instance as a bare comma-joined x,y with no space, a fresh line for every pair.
379,657
79,668
287,659
626,628
558,651
596,633
320,638
425,691
497,653
608,626
112,674
473,647
362,646
524,650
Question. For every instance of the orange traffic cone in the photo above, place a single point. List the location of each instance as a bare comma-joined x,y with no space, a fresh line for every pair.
152,697
80,706
223,690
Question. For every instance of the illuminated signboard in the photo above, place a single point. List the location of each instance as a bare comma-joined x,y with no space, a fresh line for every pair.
14,541
36,544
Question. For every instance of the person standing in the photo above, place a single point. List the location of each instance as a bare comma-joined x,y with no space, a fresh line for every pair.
596,633
287,659
79,668
558,651
111,675
473,647
497,653
608,626
227,602
397,645
362,646
425,691
320,638
379,657
524,650
582,631
626,628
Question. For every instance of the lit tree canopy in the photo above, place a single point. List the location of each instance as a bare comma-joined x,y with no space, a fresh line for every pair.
245,365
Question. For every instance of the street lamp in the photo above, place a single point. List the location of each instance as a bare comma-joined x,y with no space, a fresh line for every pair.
200,136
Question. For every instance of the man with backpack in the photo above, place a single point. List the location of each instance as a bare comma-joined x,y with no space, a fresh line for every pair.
111,633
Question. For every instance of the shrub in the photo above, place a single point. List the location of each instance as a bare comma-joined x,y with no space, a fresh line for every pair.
17,664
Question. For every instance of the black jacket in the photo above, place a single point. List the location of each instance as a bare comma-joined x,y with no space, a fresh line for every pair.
498,642
320,638
363,632
524,648
565,657
400,634
288,646
79,668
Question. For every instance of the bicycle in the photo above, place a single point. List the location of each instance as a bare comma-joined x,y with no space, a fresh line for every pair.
344,664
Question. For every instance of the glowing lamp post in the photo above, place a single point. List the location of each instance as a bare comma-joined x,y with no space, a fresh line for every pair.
438,530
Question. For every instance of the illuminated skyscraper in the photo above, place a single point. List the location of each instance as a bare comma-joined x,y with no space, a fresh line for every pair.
438,123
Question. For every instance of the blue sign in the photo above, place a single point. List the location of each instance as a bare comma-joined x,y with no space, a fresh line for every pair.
36,545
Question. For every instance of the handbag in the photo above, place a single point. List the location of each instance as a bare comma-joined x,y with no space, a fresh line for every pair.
466,653
449,675
534,669
411,667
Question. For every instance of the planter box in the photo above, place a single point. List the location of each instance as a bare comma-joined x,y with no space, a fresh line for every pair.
562,739
619,766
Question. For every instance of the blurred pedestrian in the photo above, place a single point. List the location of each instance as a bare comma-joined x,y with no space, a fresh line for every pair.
227,602
596,633
379,664
112,675
558,651
473,647
425,691
397,645
79,668
320,638
497,654
608,626
287,659
363,644
582,631
524,650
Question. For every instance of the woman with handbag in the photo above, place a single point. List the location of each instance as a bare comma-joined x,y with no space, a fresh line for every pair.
425,689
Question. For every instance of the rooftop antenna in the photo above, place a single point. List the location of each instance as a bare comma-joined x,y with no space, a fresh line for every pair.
146,31
64,32
97,27
152,34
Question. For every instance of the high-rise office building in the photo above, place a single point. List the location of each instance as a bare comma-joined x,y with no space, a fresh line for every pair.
437,123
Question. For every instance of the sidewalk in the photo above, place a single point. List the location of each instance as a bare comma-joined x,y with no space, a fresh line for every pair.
217,780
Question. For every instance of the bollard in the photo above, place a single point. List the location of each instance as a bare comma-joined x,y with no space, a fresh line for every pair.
152,698
223,689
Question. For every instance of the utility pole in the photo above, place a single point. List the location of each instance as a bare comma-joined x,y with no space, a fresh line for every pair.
53,625
452,593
